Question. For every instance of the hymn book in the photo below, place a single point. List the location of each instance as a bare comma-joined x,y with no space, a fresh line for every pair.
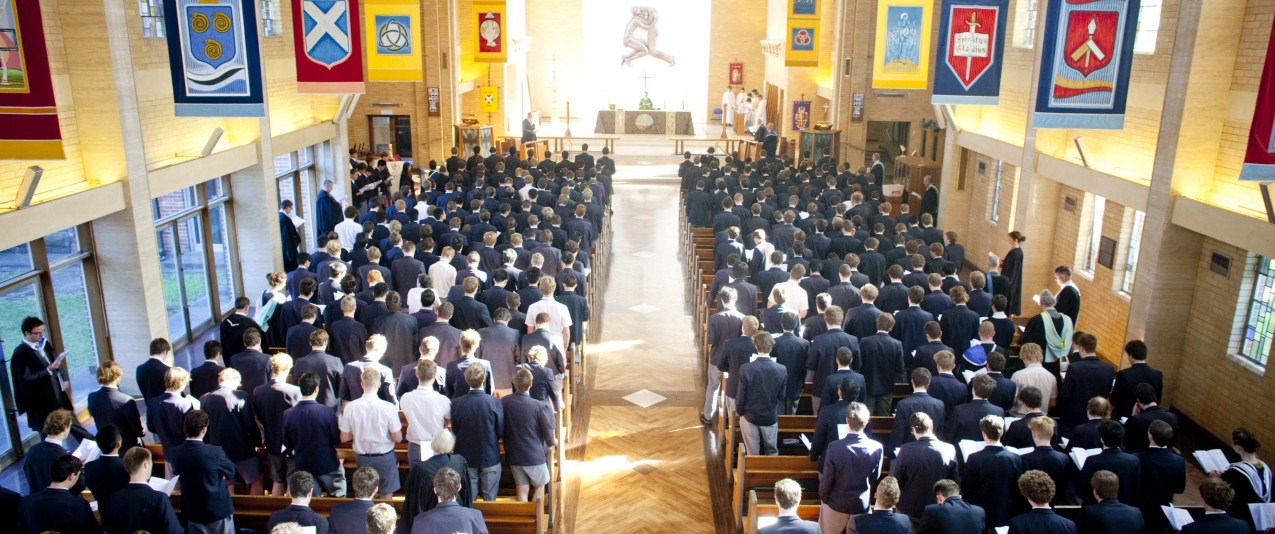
164,485
1080,455
1263,515
1178,517
1212,460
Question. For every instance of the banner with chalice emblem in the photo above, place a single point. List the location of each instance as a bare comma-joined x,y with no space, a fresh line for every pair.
393,32
489,15
214,58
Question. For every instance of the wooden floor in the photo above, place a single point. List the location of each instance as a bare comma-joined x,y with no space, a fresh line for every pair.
641,469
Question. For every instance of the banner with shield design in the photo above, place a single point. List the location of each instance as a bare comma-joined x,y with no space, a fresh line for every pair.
1084,73
393,32
215,58
971,50
329,47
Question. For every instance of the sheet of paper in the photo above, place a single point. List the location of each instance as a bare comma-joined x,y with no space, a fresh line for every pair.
1020,450
1080,455
969,447
1001,530
843,431
163,485
1178,517
1263,515
87,451
805,441
58,361
1061,441
1010,420
93,506
968,375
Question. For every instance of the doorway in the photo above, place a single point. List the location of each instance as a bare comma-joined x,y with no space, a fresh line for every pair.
391,133
888,138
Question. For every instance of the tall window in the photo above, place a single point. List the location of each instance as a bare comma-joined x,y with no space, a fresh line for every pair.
271,18
53,278
1259,328
196,257
1131,257
1148,27
1092,230
1025,24
295,172
152,12
997,183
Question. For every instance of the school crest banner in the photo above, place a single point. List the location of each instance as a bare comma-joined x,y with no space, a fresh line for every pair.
901,58
971,49
490,99
392,29
1259,160
801,115
489,17
802,49
1084,75
214,58
329,52
803,9
28,109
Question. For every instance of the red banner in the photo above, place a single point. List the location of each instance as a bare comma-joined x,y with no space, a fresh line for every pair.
28,109
328,46
1259,160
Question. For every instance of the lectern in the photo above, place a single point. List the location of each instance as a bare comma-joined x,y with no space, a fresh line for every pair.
818,144
468,136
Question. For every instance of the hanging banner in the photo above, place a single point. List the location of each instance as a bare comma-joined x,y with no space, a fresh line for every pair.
803,9
1084,74
329,52
737,74
489,17
214,58
971,50
490,99
801,115
28,109
392,31
801,50
901,59
1259,160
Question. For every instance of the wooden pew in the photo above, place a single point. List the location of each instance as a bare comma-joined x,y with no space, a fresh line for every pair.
502,515
769,510
761,472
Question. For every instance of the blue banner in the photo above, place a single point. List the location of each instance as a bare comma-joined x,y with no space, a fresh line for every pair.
971,52
214,58
1084,74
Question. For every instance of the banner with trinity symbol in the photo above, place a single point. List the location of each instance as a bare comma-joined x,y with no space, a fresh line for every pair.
28,109
1259,160
802,49
1084,74
214,58
393,32
901,58
971,52
328,44
489,25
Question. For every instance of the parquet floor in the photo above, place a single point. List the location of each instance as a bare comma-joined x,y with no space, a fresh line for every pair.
641,469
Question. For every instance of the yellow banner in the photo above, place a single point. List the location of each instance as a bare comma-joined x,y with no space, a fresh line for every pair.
901,58
489,27
803,9
489,99
393,32
802,49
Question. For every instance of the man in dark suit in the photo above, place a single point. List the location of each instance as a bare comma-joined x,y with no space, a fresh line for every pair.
351,516
1108,515
920,464
831,416
882,364
1068,298
1085,435
204,377
404,271
288,235
1112,458
1038,489
232,428
791,351
846,293
923,355
166,414
1044,457
310,438
760,395
58,508
41,456
1163,475
269,402
821,360
959,323
1019,433
769,278
204,470
478,421
945,386
861,321
989,475
852,464
1006,389
468,313
40,380
829,393
138,507
1217,496
302,272
919,402
746,293
529,433
106,475
232,330
964,421
501,348
871,262
698,202
448,516
109,406
980,301
297,342
293,309
882,517
1122,398
400,331
893,296
300,489
951,514
788,498
1146,411
723,326
252,364
1088,378
936,301
347,334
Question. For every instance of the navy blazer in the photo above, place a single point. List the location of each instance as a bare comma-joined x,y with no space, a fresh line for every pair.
1135,429
54,509
822,358
150,377
960,326
328,368
1053,463
1006,391
110,406
39,458
909,329
882,522
854,463
1122,394
1109,516
893,297
1085,436
1088,378
478,421
1041,521
469,314
301,515
230,423
919,401
846,295
918,466
949,389
310,436
104,477
253,366
1163,476
738,352
882,364
346,339
832,385
924,356
830,415
990,480
1218,523
791,352
297,341
270,401
529,429
1123,464
963,423
140,507
165,416
788,524
954,516
449,518
861,322
205,377
204,470
350,517
761,391
1019,434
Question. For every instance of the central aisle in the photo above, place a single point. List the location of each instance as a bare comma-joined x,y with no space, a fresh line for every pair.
643,468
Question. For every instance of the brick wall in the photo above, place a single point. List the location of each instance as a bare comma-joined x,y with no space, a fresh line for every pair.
980,234
735,38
